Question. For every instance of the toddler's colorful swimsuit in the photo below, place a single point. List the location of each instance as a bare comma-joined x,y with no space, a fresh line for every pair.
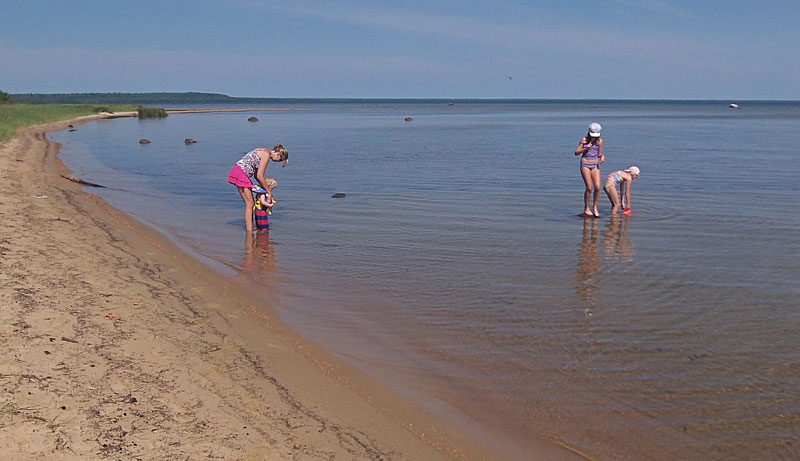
261,215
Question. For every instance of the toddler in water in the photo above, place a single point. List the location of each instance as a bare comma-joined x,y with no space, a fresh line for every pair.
264,201
623,197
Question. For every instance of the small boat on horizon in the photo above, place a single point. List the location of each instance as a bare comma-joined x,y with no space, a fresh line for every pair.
733,105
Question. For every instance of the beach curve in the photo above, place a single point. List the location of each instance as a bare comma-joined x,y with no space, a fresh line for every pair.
118,344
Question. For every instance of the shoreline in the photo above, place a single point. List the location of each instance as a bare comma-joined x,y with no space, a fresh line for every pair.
112,115
121,344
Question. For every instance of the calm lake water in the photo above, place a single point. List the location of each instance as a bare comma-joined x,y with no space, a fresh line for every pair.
457,270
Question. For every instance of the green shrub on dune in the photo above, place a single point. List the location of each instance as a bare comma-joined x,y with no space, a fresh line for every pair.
6,98
151,112
14,116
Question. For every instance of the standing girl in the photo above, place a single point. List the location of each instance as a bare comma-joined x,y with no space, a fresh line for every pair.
254,164
624,179
591,151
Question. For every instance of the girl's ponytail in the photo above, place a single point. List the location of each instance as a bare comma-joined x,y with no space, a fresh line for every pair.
284,153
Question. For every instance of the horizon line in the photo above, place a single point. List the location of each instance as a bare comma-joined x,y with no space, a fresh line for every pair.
407,99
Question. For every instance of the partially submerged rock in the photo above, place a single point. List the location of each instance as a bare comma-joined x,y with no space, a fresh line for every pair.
144,141
338,195
252,119
189,141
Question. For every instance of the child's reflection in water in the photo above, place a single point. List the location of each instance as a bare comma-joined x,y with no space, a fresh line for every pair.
259,256
616,247
587,270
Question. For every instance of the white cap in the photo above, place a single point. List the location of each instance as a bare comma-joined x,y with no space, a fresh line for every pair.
594,130
634,170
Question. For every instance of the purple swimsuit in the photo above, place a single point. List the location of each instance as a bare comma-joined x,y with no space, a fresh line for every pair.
590,159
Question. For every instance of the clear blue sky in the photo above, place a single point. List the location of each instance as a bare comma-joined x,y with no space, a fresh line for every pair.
661,49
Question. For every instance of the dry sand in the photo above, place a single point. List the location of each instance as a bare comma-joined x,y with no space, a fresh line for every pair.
117,345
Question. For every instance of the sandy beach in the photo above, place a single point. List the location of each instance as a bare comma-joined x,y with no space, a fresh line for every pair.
118,345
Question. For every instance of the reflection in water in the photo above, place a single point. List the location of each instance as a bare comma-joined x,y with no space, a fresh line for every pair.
586,274
616,247
259,256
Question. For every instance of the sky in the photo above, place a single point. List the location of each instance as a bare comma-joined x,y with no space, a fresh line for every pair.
538,49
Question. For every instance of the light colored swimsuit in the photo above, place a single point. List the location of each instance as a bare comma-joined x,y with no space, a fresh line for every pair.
590,159
613,179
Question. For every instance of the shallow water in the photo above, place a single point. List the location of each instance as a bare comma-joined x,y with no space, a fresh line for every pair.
457,269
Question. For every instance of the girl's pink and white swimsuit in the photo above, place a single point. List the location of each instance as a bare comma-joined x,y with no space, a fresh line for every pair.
613,179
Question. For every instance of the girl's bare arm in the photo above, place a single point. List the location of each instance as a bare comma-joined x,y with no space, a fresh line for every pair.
262,168
627,199
600,157
580,149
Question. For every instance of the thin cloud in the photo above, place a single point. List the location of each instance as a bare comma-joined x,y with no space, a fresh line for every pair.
532,37
84,69
655,6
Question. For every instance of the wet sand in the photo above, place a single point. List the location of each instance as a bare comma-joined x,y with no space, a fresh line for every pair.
116,344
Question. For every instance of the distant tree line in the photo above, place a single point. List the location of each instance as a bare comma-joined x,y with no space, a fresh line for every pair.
218,98
135,98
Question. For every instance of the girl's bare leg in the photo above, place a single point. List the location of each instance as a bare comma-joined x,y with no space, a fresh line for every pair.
586,174
613,197
596,183
247,197
622,190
